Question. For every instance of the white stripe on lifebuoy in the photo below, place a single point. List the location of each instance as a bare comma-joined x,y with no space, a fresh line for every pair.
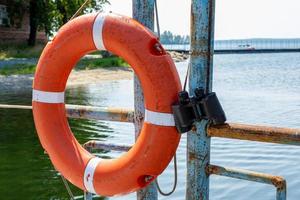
48,97
97,31
160,119
89,174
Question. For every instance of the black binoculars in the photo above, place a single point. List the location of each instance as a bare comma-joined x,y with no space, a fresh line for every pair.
196,108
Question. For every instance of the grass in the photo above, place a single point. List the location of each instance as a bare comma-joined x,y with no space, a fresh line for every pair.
84,64
18,69
23,51
101,63
20,51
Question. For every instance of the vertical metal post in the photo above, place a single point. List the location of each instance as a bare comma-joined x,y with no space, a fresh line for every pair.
281,192
201,64
87,195
143,11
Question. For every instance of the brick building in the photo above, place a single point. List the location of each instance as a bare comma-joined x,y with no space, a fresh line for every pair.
15,33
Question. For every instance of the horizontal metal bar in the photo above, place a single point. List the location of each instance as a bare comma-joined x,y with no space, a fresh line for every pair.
89,112
98,113
231,130
94,144
256,133
277,181
6,106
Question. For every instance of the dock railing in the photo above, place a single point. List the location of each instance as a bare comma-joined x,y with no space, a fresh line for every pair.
199,167
229,130
245,46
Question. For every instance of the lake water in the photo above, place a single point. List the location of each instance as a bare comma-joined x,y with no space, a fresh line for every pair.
246,43
254,89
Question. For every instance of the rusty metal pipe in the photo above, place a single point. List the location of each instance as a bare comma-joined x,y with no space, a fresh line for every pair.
256,133
276,181
89,112
6,106
230,131
99,113
94,144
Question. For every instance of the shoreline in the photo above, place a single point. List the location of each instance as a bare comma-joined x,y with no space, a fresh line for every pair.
76,78
177,57
81,77
94,76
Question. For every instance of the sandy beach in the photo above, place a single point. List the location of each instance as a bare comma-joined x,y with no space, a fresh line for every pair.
81,77
76,77
99,75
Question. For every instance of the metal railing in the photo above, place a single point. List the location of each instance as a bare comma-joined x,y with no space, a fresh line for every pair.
245,44
230,130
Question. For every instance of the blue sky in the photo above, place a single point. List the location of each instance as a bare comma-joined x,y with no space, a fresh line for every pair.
234,18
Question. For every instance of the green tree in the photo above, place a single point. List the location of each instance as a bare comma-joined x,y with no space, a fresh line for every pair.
186,39
48,15
177,39
16,10
166,37
65,9
39,18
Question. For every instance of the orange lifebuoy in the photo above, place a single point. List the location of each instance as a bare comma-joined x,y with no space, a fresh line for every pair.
156,71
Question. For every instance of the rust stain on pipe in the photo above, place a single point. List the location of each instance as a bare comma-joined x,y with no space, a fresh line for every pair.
277,181
256,133
192,156
212,169
125,115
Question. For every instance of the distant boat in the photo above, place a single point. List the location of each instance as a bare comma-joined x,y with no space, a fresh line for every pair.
245,47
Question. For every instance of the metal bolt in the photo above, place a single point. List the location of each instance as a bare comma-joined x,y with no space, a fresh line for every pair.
194,128
199,92
148,179
158,48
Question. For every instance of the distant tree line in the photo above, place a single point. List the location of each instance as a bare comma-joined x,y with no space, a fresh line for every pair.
47,15
167,37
